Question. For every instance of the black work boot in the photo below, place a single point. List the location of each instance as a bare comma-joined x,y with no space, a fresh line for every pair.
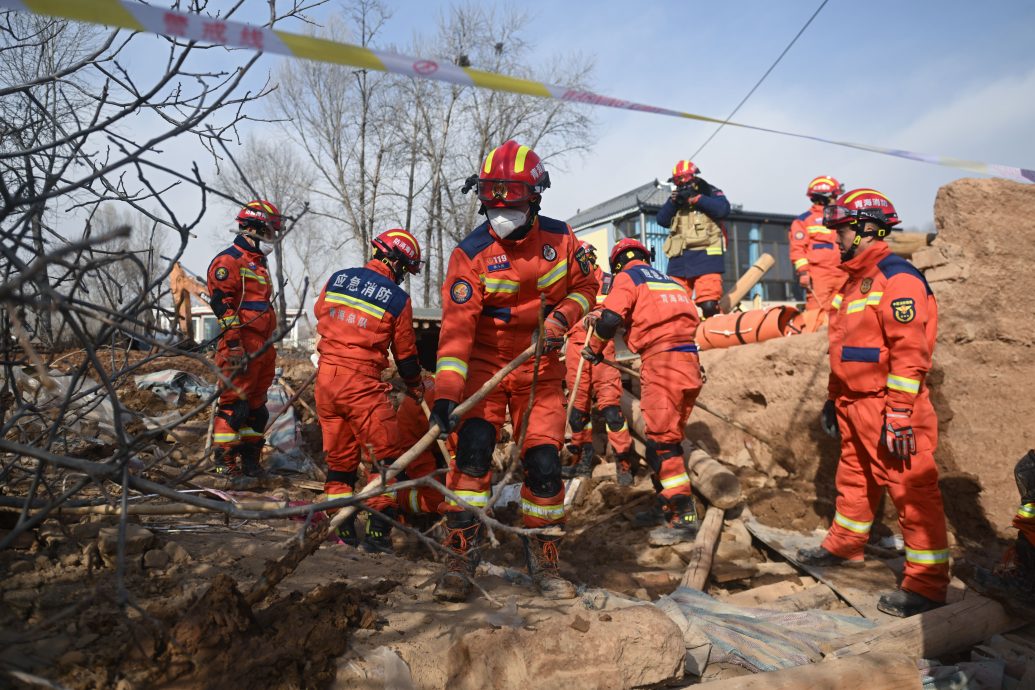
543,560
582,468
378,538
1012,583
623,469
462,540
347,531
251,453
226,464
818,556
682,525
903,603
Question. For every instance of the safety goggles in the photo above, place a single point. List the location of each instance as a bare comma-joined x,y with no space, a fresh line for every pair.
507,192
835,215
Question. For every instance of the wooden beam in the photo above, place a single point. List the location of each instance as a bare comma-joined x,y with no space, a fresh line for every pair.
948,629
700,563
872,671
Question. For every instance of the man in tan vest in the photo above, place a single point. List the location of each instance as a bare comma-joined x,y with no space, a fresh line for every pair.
696,242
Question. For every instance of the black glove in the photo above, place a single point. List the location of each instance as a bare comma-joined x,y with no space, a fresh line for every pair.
578,419
898,433
828,420
591,356
442,415
555,328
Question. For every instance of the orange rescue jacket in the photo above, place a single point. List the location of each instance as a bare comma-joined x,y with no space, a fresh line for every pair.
240,289
360,314
490,297
657,312
812,243
883,330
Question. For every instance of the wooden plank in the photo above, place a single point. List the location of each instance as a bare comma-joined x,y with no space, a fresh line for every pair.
872,671
700,563
860,586
944,630
766,594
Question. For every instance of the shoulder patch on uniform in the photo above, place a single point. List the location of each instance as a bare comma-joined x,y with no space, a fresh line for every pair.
799,235
583,258
461,291
476,241
867,283
549,253
893,265
222,273
904,310
557,227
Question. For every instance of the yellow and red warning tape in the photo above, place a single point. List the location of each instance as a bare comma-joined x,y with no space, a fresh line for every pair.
205,29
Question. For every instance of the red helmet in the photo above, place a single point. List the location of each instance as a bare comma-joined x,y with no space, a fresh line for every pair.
862,205
624,251
398,244
826,186
260,214
684,172
512,174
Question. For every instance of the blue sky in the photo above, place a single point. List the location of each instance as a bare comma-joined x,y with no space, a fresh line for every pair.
950,78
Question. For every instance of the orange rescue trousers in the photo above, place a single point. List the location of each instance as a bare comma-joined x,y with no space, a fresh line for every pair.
357,420
669,383
704,288
826,282
601,384
241,418
866,466
470,475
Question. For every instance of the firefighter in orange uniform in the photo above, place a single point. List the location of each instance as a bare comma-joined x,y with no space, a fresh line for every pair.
599,383
361,313
239,287
660,323
696,243
490,314
814,252
882,334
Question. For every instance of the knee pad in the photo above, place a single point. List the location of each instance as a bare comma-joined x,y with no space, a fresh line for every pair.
1024,475
234,413
709,308
614,418
258,417
342,477
474,444
543,471
659,452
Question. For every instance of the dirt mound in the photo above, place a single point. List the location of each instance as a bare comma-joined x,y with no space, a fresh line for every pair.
980,268
981,384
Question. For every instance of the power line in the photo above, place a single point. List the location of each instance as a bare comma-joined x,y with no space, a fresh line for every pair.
759,83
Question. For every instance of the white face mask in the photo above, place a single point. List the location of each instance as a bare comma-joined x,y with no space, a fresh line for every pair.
506,220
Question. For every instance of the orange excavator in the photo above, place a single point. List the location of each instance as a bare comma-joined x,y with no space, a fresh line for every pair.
183,284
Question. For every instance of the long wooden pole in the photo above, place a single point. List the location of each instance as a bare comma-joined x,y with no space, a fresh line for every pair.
285,565
700,563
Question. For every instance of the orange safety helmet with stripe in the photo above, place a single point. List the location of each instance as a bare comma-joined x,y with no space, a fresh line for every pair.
684,172
400,246
860,205
512,174
260,219
624,251
826,187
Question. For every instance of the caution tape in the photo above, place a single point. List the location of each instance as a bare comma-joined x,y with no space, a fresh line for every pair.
210,30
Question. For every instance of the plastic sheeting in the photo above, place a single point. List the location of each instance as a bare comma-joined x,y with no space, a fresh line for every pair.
756,639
